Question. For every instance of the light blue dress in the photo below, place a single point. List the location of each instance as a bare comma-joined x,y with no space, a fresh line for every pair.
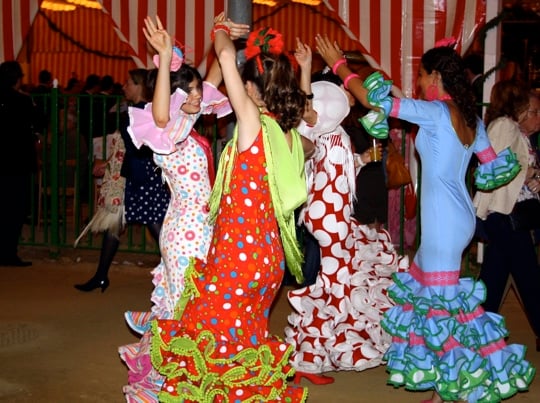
443,340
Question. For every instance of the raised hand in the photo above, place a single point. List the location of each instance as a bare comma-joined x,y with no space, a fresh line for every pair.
236,30
157,36
329,51
303,55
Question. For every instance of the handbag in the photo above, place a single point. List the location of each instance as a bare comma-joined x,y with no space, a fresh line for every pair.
397,173
526,215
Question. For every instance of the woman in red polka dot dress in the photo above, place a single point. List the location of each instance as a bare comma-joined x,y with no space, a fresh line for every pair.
220,349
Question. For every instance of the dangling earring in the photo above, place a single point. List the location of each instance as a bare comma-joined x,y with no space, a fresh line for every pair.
432,92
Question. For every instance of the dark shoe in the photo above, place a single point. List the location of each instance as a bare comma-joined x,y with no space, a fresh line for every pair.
92,284
15,262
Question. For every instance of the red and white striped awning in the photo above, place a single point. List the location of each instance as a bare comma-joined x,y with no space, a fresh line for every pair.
395,33
16,17
190,21
392,34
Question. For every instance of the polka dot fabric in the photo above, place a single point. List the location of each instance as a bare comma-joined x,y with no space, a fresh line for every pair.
221,350
186,230
335,324
186,233
146,201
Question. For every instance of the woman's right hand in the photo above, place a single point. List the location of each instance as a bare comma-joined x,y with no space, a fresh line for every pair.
303,55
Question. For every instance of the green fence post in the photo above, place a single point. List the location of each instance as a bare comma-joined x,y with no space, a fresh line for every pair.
54,245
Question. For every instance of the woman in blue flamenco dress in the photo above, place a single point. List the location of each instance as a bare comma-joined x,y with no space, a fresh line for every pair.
442,339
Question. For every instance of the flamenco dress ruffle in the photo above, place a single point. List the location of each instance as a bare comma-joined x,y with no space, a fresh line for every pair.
497,171
201,366
143,130
335,324
444,340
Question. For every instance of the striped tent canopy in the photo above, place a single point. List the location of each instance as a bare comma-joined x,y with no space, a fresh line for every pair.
391,34
395,33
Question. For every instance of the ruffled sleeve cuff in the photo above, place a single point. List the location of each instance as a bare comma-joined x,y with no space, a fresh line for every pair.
496,170
214,101
143,131
375,121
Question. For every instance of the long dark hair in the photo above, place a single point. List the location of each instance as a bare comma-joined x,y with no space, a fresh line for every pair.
449,64
278,86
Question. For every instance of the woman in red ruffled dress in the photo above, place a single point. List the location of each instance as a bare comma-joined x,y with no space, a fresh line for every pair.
219,348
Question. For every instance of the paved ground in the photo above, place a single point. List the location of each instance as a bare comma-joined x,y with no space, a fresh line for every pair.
60,345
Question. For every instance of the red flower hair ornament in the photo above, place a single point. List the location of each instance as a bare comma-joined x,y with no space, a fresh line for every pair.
264,40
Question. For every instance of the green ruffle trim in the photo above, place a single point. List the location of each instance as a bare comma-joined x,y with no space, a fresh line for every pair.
204,386
376,120
190,289
458,390
499,175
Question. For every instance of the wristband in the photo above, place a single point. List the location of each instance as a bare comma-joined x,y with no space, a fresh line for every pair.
337,64
309,96
349,78
219,27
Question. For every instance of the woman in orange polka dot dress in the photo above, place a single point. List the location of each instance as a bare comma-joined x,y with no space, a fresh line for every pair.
220,350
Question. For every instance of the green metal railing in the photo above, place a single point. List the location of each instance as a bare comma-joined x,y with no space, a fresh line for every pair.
63,193
64,190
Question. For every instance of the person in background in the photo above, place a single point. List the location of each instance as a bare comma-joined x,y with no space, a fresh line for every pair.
145,197
443,340
18,160
42,100
222,317
512,116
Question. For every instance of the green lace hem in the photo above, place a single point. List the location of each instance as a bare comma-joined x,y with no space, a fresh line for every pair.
460,390
205,385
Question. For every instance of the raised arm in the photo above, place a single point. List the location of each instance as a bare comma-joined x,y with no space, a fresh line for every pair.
161,41
214,75
332,55
247,112
304,59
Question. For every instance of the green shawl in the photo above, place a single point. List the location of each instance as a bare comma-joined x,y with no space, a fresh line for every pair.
288,189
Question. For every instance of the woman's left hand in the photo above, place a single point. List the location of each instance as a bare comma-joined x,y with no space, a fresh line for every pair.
236,30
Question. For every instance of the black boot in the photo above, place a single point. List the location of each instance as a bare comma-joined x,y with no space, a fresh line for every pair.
108,250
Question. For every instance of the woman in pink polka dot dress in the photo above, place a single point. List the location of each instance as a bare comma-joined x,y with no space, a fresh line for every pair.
220,349
185,158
